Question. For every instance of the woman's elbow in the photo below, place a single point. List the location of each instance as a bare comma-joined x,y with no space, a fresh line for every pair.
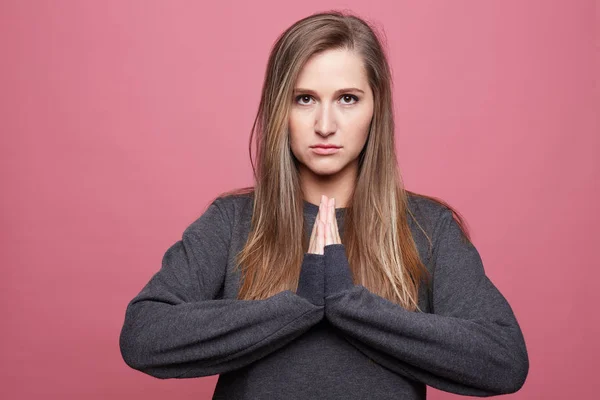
132,350
512,375
137,354
519,373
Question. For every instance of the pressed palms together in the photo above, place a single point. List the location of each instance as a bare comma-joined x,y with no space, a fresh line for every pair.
325,229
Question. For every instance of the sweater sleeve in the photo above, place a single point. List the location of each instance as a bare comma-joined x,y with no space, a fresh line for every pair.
471,344
176,327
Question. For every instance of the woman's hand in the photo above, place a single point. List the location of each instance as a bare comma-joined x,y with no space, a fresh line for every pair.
325,229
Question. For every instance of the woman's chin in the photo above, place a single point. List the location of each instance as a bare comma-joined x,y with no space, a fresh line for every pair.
325,170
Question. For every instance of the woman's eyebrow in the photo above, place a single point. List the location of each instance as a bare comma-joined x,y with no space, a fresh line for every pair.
339,91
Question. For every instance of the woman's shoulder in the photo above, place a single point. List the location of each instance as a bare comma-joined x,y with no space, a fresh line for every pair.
236,203
224,210
426,207
430,211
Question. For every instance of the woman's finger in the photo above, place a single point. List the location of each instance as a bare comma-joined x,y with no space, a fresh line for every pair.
313,235
314,229
323,209
333,221
328,236
320,238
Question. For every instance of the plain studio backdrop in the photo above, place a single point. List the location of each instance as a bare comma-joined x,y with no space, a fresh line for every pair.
120,120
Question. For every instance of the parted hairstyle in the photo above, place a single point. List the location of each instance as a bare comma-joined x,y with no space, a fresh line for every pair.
381,252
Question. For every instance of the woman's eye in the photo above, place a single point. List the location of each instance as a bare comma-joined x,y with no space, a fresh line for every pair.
347,99
302,97
351,97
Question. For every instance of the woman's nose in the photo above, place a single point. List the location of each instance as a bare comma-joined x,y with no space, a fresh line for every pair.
325,120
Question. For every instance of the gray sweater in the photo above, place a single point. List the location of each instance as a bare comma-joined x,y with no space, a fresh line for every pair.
331,339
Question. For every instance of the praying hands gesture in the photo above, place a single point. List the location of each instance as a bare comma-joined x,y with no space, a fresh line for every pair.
325,229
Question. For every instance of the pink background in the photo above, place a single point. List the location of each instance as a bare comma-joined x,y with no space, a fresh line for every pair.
120,120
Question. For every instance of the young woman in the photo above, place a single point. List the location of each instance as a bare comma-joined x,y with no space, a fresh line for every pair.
326,279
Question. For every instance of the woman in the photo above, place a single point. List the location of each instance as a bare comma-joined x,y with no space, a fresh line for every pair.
287,296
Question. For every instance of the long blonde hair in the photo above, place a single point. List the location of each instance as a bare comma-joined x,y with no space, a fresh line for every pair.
381,251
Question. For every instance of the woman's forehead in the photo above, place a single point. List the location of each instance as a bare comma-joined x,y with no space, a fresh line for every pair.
332,70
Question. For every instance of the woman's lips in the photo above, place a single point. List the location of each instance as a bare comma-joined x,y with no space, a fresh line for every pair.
325,150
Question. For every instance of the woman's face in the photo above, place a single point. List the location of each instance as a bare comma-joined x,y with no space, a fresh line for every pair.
333,105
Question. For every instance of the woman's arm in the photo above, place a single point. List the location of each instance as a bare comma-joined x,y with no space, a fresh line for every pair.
471,344
176,328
